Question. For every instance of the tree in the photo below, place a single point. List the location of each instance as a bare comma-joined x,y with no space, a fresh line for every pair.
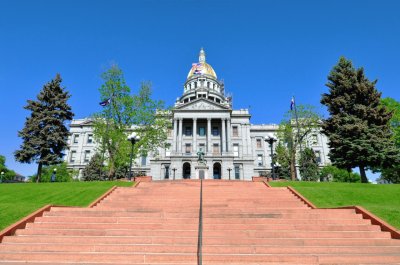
391,172
123,114
309,169
294,134
94,169
394,106
8,173
358,126
63,174
45,134
283,161
335,174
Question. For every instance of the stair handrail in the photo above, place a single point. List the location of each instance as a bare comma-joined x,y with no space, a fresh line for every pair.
200,231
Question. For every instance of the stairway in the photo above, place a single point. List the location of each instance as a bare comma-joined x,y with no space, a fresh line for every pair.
157,223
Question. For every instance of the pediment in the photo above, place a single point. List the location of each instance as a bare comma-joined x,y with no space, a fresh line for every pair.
202,104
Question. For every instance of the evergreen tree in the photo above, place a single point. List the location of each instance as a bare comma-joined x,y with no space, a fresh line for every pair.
309,169
358,126
45,134
94,169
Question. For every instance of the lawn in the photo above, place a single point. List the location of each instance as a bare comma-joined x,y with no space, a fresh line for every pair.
20,199
382,200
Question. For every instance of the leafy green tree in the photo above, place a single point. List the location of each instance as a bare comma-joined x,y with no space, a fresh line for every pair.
394,106
45,134
8,173
63,174
94,169
391,172
293,134
282,158
335,174
124,114
309,168
358,126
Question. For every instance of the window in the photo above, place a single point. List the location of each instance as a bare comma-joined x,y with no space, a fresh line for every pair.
144,160
235,150
215,148
215,131
259,160
202,147
72,157
188,148
86,157
235,131
258,141
76,138
90,138
237,172
202,131
208,84
195,84
188,131
318,156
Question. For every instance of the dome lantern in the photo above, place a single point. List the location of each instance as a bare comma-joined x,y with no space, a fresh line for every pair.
202,68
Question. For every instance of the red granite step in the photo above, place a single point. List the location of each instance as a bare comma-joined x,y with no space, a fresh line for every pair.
157,223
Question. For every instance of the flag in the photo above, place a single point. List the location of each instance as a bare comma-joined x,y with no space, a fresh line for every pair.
105,102
196,65
292,103
198,72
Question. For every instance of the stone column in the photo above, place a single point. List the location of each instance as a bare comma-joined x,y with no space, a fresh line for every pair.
228,135
174,136
209,135
223,135
180,135
194,135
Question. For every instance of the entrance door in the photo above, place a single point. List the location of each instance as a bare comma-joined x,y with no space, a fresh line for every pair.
186,170
217,171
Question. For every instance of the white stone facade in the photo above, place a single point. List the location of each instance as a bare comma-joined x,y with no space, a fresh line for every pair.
202,119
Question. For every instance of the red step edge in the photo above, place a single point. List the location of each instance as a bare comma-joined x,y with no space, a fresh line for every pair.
21,224
375,220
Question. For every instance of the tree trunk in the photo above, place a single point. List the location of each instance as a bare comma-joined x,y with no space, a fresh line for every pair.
293,173
363,175
39,172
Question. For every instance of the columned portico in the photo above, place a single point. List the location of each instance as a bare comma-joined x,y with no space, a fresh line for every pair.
229,135
209,136
223,135
194,133
180,135
174,137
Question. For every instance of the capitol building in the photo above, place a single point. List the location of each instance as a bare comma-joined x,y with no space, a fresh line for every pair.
202,120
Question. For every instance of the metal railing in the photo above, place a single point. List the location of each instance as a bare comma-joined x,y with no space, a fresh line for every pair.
200,232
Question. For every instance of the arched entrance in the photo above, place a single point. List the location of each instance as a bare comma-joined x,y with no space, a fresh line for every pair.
217,171
186,170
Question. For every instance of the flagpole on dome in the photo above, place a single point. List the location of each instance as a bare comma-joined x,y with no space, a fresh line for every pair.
294,107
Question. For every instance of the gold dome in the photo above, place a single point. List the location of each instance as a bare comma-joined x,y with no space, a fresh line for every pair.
201,68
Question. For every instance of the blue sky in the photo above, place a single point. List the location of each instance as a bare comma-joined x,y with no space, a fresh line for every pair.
266,51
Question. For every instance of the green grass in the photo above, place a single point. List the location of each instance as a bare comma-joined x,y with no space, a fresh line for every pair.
20,199
381,200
